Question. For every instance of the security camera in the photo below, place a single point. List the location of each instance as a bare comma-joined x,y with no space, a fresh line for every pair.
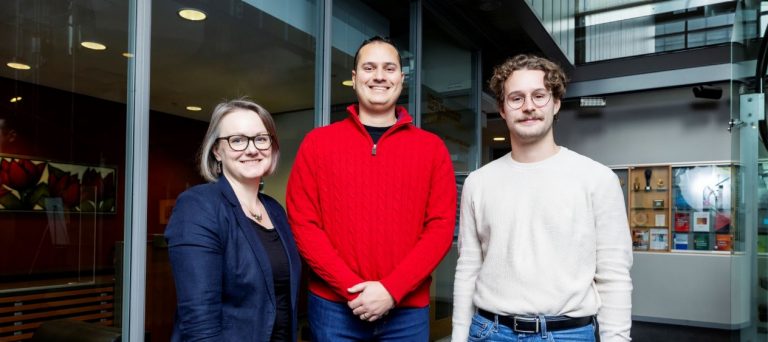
708,92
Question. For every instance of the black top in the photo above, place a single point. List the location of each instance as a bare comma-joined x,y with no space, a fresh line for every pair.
376,132
281,277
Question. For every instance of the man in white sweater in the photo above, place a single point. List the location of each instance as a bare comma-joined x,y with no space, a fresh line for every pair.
544,245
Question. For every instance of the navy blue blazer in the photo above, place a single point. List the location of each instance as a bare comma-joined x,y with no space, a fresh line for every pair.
223,276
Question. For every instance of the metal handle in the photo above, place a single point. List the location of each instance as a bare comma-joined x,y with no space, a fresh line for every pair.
734,123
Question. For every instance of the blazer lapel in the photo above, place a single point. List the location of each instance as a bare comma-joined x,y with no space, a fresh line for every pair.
245,227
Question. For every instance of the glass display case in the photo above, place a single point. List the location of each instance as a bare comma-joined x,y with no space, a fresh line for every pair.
648,203
687,208
702,208
762,207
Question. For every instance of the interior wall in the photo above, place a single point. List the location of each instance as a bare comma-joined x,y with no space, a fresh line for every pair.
664,126
69,128
174,142
58,126
291,129
658,126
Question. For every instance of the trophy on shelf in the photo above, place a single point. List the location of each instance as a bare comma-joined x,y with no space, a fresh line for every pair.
648,173
660,184
635,185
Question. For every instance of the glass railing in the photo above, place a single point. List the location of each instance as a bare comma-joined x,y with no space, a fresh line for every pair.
592,31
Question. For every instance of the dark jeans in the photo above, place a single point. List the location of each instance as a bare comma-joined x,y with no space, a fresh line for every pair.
334,322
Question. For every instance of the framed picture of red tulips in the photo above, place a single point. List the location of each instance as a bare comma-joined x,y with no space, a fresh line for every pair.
27,183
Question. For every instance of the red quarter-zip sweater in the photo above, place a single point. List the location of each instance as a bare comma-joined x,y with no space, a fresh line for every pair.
362,211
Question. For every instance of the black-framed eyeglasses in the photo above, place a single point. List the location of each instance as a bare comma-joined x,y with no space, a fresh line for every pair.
540,98
238,142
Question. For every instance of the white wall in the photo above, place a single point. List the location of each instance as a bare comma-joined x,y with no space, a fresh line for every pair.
660,126
665,126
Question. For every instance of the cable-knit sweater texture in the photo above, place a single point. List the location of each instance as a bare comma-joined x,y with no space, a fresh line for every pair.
544,238
362,211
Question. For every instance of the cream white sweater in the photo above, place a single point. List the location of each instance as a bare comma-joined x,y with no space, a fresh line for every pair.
548,238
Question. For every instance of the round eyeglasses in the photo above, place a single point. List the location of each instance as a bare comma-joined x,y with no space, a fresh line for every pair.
240,142
539,98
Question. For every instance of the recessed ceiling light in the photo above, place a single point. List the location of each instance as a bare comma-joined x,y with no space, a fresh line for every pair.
192,14
499,139
15,99
94,46
194,108
347,83
18,66
127,55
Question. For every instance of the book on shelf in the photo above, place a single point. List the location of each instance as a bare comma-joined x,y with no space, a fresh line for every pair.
701,241
640,240
723,242
659,239
700,221
682,222
723,222
681,240
660,220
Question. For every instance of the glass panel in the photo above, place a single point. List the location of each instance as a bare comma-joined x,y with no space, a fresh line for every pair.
649,208
449,110
353,23
616,29
62,146
623,175
702,210
448,93
748,267
262,50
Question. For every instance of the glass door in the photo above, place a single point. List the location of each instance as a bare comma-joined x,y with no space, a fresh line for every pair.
449,108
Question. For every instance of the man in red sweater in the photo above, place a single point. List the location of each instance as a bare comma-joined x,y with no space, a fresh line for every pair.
372,202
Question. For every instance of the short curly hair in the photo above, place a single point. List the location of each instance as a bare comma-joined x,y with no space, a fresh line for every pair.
554,76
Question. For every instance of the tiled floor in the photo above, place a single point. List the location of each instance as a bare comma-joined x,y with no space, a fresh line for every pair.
653,332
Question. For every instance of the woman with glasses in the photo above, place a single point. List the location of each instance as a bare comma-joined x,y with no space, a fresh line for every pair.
234,259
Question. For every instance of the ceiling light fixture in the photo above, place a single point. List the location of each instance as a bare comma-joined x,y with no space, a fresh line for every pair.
192,14
127,55
347,83
499,139
592,101
194,108
93,45
18,66
15,99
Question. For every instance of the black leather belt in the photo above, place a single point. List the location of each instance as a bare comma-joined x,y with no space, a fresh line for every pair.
529,324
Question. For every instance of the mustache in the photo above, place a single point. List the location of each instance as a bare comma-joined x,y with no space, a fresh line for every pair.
531,117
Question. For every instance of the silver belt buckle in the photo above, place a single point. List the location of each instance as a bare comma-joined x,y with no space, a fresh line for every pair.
523,319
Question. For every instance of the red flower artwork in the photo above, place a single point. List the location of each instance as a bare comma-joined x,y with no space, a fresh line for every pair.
81,188
65,185
23,176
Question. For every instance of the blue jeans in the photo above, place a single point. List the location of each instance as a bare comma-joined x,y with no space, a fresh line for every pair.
335,322
483,329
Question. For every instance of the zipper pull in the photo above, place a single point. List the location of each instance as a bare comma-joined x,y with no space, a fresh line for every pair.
373,151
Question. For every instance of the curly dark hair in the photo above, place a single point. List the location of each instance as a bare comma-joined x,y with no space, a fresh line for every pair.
554,76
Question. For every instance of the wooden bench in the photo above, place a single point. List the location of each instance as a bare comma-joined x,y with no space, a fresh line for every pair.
22,312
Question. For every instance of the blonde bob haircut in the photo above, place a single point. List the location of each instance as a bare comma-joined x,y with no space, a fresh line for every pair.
210,168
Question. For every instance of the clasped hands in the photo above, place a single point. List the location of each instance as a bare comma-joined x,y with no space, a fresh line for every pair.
373,302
